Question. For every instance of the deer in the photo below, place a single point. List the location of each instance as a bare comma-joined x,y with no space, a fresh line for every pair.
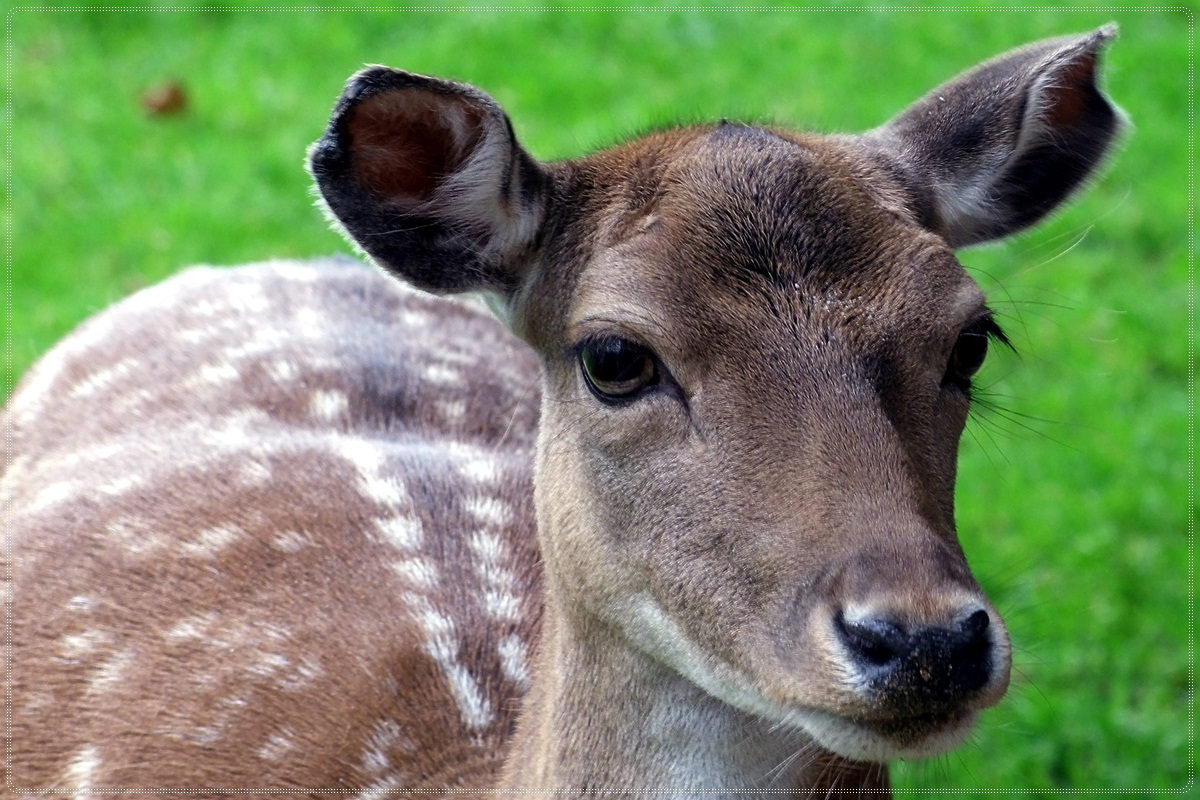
626,474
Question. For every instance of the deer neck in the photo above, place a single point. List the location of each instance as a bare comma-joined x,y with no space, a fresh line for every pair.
604,715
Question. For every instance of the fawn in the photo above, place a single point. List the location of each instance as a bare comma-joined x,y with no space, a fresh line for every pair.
298,527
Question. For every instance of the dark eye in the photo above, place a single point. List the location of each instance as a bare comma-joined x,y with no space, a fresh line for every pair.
615,369
970,350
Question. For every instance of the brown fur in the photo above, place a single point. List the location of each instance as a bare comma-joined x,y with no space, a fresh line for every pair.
274,528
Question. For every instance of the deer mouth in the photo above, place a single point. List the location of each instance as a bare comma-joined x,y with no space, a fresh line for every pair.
888,738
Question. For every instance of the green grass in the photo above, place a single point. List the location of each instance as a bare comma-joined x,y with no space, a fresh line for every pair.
1073,501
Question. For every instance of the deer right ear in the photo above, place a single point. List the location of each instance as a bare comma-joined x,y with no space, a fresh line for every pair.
427,177
996,149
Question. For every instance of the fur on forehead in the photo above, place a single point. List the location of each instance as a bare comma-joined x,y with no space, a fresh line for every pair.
751,208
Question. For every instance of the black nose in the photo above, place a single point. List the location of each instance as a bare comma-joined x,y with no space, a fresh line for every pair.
921,670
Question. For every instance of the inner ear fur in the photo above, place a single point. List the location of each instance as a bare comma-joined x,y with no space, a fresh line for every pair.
999,147
427,177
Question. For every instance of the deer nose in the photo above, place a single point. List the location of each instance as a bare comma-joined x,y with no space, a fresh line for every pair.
919,669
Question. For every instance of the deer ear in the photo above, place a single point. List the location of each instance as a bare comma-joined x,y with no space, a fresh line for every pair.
427,177
997,148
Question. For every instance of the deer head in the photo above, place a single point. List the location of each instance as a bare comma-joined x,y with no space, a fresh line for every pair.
757,349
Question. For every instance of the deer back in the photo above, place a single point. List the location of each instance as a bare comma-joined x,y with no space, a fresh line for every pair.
260,540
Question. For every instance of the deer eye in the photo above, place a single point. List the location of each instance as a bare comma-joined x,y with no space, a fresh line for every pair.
617,369
970,350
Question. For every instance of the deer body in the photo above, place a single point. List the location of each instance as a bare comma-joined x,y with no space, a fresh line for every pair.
275,528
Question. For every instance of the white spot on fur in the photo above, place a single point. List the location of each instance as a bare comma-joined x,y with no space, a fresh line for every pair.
205,734
498,597
52,495
81,772
501,604
211,541
196,627
291,541
489,510
74,645
514,660
328,405
253,473
480,470
233,432
246,298
194,335
310,319
440,644
80,602
374,484
403,533
442,374
384,738
302,676
278,745
108,674
214,374
452,409
98,380
135,536
120,485
268,664
414,319
282,371
384,787
420,572
27,403
489,547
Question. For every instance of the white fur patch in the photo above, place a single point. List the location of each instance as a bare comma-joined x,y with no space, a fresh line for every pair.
302,676
384,787
490,510
108,674
213,375
291,541
442,374
499,599
194,627
253,473
135,535
80,602
120,485
421,573
442,646
52,495
480,470
374,483
282,371
452,409
102,378
402,532
328,405
385,736
211,541
75,645
277,745
81,772
514,660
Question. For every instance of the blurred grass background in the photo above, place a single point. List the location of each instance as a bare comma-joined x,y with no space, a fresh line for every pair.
1073,497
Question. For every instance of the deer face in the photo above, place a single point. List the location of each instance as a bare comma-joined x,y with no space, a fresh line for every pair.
754,398
757,351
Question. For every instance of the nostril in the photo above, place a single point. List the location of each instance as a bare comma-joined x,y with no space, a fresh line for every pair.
973,648
975,627
874,642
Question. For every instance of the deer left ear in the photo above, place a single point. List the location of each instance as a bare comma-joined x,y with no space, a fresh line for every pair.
996,149
427,177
